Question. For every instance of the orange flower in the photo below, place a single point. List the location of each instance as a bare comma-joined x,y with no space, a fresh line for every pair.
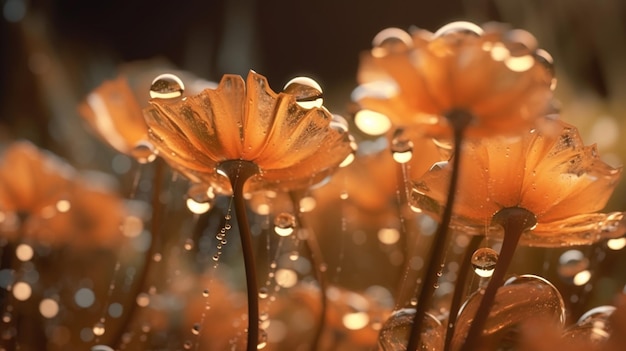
550,173
43,198
497,76
114,109
287,135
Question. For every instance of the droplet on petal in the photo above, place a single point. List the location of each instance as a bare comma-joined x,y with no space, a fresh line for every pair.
167,86
308,92
144,152
391,40
459,27
372,122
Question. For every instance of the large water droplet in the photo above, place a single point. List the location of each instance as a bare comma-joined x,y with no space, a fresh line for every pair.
308,92
394,334
484,261
391,41
167,86
459,27
592,328
284,224
144,152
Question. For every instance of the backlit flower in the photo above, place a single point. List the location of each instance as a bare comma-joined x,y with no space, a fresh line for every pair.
44,199
114,109
549,173
287,135
496,75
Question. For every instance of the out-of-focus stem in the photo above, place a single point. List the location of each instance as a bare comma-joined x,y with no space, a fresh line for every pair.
459,120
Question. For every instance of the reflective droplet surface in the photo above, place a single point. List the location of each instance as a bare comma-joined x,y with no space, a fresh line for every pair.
144,152
284,224
188,244
372,122
572,263
195,330
308,92
394,334
167,86
98,329
523,298
391,41
263,293
401,147
592,328
484,261
459,27
262,339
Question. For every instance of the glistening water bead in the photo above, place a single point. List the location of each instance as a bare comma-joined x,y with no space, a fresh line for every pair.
284,224
307,92
144,152
484,261
167,86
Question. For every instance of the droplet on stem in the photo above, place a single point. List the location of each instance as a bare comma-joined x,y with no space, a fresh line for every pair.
284,224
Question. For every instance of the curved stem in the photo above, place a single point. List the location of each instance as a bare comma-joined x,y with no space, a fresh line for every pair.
155,224
459,120
459,289
514,222
238,172
317,260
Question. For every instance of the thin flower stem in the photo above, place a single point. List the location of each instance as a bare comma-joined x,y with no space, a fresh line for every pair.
155,242
238,172
514,222
317,260
459,120
459,289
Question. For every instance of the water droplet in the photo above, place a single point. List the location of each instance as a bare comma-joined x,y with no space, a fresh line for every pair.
484,261
571,263
307,92
198,207
167,86
355,320
459,27
284,224
263,316
188,244
263,293
294,255
195,330
372,122
262,339
339,123
307,204
391,41
216,257
344,195
401,148
413,301
187,345
98,329
394,334
144,152
205,293
201,193
286,278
